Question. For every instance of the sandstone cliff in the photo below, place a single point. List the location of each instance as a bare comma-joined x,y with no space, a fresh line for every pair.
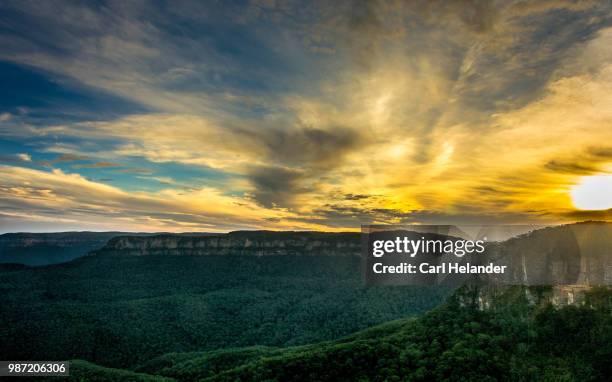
257,243
573,254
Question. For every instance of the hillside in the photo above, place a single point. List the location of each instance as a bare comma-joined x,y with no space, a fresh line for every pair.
513,340
510,343
86,371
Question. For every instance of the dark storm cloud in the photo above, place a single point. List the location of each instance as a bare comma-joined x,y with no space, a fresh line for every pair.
310,146
275,186
307,154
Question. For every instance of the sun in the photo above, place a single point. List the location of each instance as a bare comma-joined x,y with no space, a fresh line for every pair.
593,193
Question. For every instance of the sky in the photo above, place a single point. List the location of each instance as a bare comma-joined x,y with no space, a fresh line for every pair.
290,115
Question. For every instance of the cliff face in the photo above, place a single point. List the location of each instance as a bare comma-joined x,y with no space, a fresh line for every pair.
564,265
575,254
257,243
570,254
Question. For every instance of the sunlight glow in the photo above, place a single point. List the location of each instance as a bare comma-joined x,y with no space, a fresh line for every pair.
593,193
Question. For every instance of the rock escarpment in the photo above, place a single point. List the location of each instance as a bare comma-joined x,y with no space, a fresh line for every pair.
257,243
574,254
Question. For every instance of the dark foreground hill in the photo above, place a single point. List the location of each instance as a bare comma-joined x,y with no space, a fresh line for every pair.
513,340
120,311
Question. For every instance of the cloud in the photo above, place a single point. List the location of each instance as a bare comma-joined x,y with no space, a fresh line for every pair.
381,111
136,170
96,165
274,186
597,215
602,152
571,167
249,151
591,160
17,158
311,146
24,157
70,158
356,196
12,158
60,196
162,179
523,8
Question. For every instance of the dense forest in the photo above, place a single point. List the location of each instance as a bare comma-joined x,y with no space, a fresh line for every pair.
120,311
513,340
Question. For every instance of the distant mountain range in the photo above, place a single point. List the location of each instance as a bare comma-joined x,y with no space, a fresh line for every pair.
578,253
37,249
50,248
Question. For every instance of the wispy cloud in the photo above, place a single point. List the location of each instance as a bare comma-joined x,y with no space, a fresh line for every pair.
69,196
96,165
24,157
